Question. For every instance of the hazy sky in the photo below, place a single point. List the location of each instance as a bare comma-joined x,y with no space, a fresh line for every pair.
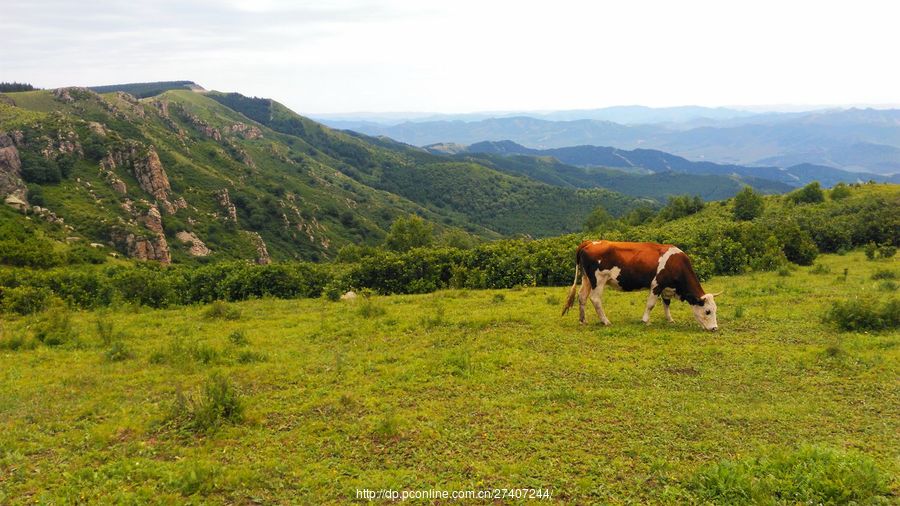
463,55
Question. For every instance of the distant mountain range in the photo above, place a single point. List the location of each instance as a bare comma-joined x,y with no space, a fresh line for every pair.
626,115
859,140
654,161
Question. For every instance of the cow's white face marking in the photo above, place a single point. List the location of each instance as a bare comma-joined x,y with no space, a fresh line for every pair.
706,314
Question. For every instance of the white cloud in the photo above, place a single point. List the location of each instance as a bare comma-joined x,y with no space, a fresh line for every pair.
468,55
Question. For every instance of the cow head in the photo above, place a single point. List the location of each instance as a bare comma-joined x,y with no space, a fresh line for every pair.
705,312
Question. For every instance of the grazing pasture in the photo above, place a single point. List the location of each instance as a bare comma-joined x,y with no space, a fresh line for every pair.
305,401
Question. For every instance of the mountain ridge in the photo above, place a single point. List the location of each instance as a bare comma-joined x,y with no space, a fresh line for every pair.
853,139
180,173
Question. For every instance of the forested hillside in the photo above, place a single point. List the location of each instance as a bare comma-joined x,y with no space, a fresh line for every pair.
191,175
766,178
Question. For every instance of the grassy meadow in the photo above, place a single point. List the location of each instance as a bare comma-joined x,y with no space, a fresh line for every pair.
305,401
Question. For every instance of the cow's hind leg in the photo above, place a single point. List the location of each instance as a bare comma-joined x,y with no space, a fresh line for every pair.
651,301
583,296
597,301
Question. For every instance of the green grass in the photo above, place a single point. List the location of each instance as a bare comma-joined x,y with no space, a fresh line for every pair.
458,390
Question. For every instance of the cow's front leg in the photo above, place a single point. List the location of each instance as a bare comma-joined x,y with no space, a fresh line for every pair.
597,300
651,301
666,303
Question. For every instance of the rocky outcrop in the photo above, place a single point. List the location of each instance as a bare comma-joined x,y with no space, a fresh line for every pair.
117,184
147,169
153,221
47,215
204,127
130,103
73,93
245,131
151,176
63,95
198,249
98,128
11,184
241,155
65,143
16,203
162,106
262,253
225,201
145,248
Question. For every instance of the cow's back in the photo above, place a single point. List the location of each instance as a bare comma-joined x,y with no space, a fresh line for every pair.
635,263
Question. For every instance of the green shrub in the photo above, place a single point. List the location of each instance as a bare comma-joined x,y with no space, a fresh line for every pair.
145,285
884,274
840,191
54,327
887,250
84,254
599,221
748,204
681,206
820,269
15,342
387,428
81,287
809,475
218,403
858,315
799,247
809,194
25,300
436,319
238,338
888,286
771,257
220,310
117,352
249,357
409,232
871,250
370,307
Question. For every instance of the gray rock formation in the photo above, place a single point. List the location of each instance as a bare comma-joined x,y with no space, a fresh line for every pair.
11,184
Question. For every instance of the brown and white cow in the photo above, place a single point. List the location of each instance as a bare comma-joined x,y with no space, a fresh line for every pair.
628,266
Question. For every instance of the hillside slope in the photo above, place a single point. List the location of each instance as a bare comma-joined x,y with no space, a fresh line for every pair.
182,174
765,178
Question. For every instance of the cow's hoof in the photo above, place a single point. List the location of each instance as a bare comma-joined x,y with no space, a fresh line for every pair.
606,323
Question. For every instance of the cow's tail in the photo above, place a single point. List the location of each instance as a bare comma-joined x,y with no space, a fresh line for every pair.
570,299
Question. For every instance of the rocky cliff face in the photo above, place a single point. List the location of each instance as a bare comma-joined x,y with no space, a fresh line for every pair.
146,248
147,169
12,188
262,252
65,143
225,201
198,248
245,131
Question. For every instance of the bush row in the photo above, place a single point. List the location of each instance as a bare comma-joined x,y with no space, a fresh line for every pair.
716,243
